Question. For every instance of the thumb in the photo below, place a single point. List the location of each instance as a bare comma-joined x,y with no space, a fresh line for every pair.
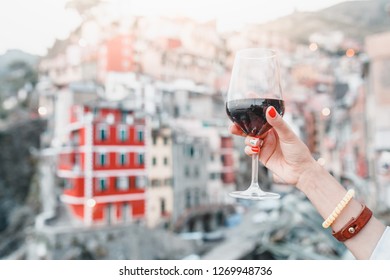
281,127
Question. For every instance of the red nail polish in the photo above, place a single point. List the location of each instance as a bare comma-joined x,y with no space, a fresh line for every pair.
272,112
255,149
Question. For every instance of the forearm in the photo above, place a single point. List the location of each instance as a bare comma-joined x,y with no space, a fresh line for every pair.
325,193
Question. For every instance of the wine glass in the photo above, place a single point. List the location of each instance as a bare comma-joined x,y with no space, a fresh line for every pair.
254,86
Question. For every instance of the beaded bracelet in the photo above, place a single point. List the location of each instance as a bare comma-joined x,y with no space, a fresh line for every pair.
336,212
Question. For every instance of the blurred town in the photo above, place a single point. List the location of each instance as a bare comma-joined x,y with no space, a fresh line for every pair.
115,144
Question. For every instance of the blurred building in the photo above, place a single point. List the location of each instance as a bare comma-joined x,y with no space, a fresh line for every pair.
228,176
172,71
160,197
378,113
190,174
103,165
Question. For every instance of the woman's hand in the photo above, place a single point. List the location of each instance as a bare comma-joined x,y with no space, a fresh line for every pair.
280,150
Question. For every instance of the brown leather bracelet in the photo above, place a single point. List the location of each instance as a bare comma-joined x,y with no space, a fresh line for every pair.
354,226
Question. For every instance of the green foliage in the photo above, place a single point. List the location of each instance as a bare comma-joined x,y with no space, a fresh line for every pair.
17,75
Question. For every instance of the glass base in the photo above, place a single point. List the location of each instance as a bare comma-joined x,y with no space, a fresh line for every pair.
254,195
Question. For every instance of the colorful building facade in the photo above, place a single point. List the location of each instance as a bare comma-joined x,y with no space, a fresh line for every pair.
103,167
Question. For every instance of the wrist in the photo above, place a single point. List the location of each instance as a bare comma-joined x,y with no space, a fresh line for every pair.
309,176
323,190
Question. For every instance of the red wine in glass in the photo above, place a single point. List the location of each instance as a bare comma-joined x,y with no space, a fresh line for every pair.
249,114
254,86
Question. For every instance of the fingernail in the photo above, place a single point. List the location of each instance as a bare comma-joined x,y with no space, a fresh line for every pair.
272,112
255,149
254,142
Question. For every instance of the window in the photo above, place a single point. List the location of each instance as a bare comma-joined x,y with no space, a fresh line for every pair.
122,133
165,161
196,171
140,135
187,171
140,182
163,209
154,161
140,159
95,111
75,140
102,132
122,158
190,151
155,183
122,183
109,211
103,159
188,199
76,162
73,159
176,111
154,140
165,141
68,184
124,116
126,212
197,197
102,184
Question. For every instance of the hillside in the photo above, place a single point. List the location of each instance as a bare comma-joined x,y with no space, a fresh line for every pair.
17,55
356,19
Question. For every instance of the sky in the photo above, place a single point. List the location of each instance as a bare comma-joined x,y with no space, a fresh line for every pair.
33,25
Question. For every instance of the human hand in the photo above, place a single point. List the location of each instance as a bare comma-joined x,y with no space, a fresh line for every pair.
280,150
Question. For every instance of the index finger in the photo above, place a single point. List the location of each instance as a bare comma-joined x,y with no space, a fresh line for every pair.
234,129
285,133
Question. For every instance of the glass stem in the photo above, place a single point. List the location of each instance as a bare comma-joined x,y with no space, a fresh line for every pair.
255,170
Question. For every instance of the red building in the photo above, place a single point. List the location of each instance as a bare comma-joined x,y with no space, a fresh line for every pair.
103,166
228,175
116,55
